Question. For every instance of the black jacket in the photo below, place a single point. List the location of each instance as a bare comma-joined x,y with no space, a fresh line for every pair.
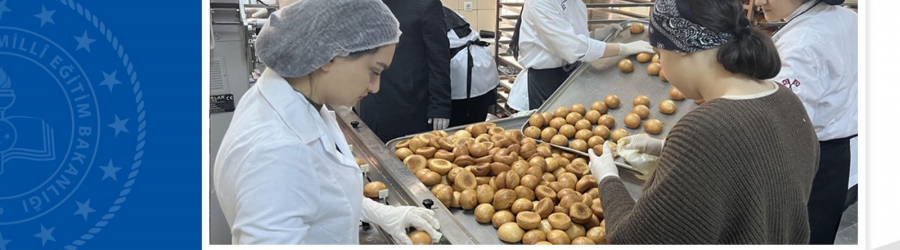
417,85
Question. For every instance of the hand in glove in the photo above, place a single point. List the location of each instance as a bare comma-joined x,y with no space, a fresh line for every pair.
602,33
395,220
644,144
627,49
604,165
439,123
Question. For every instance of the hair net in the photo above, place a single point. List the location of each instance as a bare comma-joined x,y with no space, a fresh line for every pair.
301,37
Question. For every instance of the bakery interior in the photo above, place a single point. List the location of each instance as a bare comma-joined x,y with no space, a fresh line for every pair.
526,177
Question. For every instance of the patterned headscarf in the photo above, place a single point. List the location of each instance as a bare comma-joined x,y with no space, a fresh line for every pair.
673,28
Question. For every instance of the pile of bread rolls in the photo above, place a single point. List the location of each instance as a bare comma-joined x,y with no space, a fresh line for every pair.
531,193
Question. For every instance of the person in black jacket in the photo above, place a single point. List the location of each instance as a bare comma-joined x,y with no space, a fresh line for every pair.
415,91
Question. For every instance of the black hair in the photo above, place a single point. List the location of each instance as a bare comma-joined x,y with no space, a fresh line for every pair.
358,54
750,52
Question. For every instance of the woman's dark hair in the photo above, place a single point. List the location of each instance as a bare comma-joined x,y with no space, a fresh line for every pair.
751,52
358,54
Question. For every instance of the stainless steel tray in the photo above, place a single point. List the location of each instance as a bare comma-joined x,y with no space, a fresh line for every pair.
467,218
592,82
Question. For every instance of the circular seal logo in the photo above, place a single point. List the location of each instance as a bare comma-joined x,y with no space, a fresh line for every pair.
71,125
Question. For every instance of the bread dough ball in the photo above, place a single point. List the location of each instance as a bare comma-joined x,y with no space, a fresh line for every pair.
632,120
644,57
372,189
484,213
618,134
557,122
579,144
403,153
578,108
699,101
558,237
559,140
653,126
662,75
592,116
595,140
547,117
584,124
536,120
602,131
420,237
655,58
510,232
548,134
667,107
653,69
676,94
584,134
626,66
641,110
533,132
599,106
534,237
637,28
568,131
561,112
502,217
641,100
573,117
612,101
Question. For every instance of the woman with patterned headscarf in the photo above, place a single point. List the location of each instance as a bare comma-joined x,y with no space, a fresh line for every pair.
736,170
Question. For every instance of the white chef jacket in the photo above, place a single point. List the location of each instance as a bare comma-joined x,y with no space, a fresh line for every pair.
554,33
819,63
484,72
279,176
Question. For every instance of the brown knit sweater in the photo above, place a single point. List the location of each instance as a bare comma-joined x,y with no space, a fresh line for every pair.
731,172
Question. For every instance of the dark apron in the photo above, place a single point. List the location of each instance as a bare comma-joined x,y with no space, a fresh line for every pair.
829,190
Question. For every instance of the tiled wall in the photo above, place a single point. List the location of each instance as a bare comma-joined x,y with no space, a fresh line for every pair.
483,15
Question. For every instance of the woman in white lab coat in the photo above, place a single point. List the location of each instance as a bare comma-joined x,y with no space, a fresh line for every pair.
818,47
285,174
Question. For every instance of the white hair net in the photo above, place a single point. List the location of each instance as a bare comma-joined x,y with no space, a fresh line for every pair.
301,37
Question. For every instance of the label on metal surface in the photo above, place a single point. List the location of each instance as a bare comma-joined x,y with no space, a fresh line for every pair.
383,194
221,103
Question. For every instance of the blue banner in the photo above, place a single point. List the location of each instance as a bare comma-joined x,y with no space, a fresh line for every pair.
100,137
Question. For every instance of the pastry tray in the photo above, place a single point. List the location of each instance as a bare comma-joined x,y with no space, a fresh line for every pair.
593,81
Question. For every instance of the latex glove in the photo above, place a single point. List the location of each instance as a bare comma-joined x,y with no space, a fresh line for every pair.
627,49
644,144
602,33
604,165
395,220
439,123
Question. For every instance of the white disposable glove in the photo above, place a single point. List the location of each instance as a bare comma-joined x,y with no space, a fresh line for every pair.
641,143
604,165
395,220
627,49
602,33
439,123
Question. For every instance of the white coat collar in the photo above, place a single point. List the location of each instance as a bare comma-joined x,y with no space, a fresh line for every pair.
295,111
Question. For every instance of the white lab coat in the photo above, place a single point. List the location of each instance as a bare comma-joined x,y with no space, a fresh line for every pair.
554,34
819,63
278,175
484,72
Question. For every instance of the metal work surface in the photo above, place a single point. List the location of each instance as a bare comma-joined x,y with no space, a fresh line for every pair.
486,233
592,82
405,188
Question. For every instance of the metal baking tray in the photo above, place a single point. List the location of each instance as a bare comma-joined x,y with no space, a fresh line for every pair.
467,218
593,81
